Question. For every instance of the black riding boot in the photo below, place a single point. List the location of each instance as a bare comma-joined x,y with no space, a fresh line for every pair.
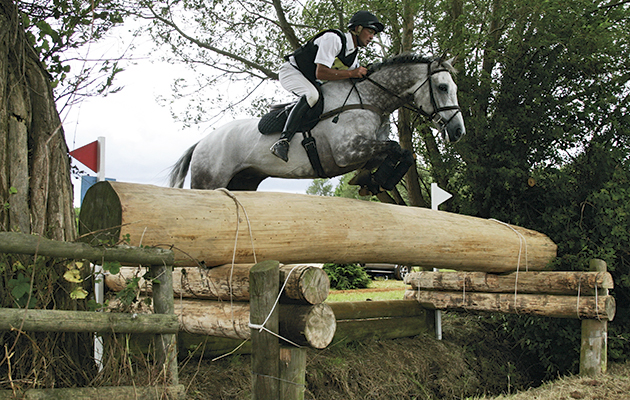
280,149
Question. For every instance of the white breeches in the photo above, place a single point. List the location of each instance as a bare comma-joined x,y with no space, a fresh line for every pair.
295,82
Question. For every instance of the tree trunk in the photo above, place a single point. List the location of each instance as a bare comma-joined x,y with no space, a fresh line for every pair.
36,198
307,325
35,182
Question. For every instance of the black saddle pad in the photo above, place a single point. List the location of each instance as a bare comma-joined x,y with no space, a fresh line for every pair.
274,121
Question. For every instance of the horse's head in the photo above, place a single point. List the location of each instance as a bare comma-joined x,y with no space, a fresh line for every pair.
438,100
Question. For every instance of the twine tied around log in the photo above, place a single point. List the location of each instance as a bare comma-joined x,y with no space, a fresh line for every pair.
262,327
521,239
577,305
251,237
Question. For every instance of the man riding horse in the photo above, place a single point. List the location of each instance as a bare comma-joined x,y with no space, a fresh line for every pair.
329,56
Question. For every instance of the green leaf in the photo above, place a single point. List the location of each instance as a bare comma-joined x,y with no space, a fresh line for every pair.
73,275
78,293
112,267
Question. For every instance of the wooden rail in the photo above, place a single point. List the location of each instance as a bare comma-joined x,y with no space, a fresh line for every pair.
163,323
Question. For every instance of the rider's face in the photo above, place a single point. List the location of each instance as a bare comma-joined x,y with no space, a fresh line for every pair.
365,36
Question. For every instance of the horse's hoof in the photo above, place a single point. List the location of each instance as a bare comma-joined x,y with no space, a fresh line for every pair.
364,191
361,178
280,149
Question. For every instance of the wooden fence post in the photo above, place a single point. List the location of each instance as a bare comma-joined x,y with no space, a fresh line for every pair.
264,287
292,373
164,303
594,346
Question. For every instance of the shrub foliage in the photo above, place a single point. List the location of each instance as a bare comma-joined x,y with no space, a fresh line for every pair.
347,276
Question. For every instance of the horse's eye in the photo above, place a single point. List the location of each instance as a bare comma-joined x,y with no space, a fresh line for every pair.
443,87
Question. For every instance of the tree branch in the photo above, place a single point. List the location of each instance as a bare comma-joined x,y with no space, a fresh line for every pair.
266,71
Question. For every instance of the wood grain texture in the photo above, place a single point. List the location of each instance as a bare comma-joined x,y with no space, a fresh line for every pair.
203,228
550,282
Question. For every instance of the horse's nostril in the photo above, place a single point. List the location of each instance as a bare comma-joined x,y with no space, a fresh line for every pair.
459,132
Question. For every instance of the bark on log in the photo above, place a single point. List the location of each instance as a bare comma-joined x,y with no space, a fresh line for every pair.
203,224
85,321
553,282
306,284
312,325
583,307
359,320
19,243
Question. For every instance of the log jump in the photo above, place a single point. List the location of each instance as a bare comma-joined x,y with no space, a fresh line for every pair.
212,228
203,226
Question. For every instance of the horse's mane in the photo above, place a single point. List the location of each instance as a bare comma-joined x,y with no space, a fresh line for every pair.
408,58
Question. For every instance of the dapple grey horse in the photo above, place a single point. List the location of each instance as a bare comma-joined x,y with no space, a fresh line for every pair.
236,156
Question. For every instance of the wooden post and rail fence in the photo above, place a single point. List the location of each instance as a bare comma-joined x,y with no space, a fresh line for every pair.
163,323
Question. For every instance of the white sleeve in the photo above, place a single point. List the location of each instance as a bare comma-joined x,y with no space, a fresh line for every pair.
329,45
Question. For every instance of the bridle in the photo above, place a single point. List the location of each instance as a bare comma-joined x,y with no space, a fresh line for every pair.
436,108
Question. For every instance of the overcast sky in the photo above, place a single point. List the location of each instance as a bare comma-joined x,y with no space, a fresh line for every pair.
142,140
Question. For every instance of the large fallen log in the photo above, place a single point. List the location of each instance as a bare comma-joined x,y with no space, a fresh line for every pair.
306,325
305,284
552,282
213,227
583,307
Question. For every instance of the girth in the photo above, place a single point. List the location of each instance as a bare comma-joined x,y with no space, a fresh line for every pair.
310,145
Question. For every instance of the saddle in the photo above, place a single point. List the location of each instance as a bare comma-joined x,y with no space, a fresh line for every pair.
276,118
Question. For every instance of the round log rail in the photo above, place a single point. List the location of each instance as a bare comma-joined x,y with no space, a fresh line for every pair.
391,319
306,283
583,307
83,321
203,228
307,325
20,243
348,310
549,282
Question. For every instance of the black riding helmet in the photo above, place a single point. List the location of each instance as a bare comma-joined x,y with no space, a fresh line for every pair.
367,20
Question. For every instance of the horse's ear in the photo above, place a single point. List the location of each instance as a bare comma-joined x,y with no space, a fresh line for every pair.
452,60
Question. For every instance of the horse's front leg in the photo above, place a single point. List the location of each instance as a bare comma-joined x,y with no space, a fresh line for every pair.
390,170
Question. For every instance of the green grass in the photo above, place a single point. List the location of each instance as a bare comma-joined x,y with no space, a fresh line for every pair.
379,289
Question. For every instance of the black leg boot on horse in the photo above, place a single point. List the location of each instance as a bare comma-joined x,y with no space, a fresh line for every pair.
280,149
390,172
406,161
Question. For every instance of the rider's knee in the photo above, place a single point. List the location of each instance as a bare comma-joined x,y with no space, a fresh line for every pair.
312,97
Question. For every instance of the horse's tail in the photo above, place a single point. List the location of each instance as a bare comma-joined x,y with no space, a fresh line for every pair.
180,169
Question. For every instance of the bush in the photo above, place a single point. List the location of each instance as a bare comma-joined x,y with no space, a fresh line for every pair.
347,276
